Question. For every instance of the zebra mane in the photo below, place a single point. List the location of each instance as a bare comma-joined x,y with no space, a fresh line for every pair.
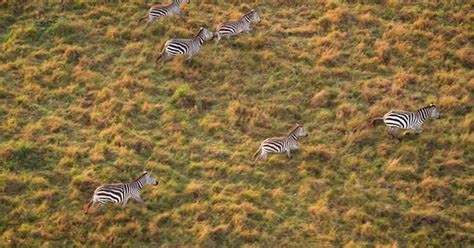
144,173
248,14
200,31
428,107
294,128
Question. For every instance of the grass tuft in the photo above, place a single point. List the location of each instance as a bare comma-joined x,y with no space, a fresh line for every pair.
83,103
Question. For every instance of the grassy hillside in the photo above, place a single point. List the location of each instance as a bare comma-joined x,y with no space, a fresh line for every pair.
82,103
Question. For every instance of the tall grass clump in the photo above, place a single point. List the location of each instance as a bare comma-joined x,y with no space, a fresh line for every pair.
83,103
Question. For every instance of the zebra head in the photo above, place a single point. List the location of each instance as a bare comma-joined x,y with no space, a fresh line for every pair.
254,17
299,131
434,112
179,2
205,34
149,179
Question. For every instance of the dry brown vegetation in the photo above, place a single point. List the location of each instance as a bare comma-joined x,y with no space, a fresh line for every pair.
82,103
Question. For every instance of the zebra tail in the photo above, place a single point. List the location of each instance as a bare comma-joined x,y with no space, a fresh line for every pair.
376,121
216,35
159,57
142,18
89,206
256,154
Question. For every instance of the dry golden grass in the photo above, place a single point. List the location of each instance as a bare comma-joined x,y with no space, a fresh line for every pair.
83,103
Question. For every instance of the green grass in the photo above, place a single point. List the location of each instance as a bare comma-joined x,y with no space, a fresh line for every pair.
82,103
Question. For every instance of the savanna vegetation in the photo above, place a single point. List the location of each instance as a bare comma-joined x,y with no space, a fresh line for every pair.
82,103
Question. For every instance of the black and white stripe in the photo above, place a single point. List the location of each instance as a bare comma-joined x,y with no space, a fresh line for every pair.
280,144
158,11
398,120
120,193
232,28
187,47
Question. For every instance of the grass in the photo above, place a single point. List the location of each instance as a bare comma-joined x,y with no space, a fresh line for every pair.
82,104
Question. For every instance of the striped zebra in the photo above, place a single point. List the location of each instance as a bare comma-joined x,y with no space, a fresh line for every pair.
120,193
187,47
398,120
231,28
158,11
280,144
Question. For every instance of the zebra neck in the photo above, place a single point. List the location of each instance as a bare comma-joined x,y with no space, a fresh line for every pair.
292,137
245,19
199,39
422,114
177,2
139,183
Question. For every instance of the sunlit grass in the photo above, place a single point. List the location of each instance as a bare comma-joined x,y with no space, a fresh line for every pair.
83,103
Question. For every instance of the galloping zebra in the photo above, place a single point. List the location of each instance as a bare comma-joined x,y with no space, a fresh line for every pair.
397,120
188,47
232,28
280,144
157,11
120,192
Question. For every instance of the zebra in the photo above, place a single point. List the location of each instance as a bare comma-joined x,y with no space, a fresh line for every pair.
120,193
187,47
397,120
231,28
280,144
157,11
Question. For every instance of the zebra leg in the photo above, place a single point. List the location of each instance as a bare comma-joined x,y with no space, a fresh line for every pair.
256,155
256,158
393,131
182,15
100,207
124,202
163,57
188,58
264,156
407,133
91,203
418,130
218,37
288,153
139,200
150,20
